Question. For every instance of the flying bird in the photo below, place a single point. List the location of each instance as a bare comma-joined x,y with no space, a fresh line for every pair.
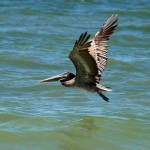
89,58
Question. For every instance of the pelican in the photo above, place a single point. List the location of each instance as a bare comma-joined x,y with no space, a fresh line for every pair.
89,58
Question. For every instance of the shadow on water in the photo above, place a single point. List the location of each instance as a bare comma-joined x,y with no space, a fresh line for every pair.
85,135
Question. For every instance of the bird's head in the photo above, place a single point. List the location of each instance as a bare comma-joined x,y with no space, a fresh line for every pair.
61,77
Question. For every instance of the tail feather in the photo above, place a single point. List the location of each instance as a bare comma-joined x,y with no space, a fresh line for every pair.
103,88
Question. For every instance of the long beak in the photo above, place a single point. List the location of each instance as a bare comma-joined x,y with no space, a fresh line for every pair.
54,78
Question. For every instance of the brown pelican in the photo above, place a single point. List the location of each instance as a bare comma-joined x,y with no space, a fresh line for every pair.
89,58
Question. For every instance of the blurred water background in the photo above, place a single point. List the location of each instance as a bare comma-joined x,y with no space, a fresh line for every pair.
35,39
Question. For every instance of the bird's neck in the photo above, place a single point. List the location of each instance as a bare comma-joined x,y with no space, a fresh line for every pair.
69,83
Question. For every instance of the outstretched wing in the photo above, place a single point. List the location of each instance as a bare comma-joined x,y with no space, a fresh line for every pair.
99,45
86,67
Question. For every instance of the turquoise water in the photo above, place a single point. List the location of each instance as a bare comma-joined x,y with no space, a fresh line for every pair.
35,40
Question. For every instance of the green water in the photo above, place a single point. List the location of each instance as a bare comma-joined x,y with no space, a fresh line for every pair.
35,40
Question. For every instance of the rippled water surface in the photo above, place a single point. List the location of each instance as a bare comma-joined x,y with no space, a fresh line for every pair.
35,40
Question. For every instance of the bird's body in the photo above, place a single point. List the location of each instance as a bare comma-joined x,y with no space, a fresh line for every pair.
89,58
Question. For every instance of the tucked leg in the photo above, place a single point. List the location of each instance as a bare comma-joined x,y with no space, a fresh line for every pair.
103,96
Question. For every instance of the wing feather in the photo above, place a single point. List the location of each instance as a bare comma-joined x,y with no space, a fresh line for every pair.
99,45
85,64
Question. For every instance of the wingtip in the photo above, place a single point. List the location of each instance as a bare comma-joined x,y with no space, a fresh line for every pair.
84,37
111,21
115,16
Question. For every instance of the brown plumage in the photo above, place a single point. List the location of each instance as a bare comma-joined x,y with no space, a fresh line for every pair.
89,58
